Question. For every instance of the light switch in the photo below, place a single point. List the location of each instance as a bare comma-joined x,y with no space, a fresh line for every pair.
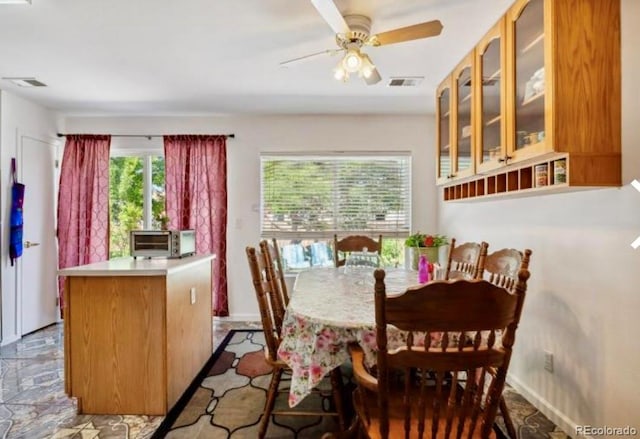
193,295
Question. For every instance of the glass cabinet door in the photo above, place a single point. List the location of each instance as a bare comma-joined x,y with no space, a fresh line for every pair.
464,133
443,116
490,96
528,38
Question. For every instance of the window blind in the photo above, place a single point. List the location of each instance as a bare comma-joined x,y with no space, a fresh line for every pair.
320,195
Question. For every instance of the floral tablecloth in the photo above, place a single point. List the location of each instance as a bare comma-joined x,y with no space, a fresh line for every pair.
328,310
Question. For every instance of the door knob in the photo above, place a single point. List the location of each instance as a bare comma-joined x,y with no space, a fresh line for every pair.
28,244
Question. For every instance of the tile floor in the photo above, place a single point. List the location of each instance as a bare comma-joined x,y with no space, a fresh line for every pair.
33,404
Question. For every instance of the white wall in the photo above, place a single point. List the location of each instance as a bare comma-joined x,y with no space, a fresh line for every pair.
584,293
18,117
282,133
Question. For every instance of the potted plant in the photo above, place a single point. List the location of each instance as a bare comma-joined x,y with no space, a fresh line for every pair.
163,219
423,244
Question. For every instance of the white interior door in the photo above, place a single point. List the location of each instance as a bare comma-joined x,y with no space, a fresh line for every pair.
37,289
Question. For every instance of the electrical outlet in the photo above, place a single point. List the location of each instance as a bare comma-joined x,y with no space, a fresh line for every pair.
193,295
548,361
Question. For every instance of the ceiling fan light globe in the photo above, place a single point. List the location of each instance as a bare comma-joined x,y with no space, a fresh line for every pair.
352,61
368,67
340,74
373,78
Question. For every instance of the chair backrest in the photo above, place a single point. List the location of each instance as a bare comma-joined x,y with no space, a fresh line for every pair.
278,267
501,267
264,283
353,243
465,260
446,307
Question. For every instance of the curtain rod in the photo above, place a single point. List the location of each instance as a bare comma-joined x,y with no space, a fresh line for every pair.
149,136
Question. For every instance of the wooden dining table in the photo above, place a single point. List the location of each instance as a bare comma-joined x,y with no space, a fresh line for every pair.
328,310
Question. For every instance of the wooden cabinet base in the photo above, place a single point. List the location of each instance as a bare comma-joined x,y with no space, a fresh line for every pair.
133,344
550,174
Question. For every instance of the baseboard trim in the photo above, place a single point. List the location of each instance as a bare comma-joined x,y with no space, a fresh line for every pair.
556,416
239,318
10,340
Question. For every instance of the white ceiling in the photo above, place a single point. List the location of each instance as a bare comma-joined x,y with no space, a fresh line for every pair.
197,57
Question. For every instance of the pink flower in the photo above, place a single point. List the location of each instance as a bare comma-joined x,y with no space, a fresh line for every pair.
369,339
321,343
328,333
315,372
418,340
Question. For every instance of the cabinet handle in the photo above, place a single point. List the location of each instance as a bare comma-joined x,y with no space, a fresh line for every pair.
505,159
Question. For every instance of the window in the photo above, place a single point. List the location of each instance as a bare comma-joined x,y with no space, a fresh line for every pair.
136,198
313,197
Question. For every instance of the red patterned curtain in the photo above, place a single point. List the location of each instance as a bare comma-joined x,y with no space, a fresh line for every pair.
196,198
83,203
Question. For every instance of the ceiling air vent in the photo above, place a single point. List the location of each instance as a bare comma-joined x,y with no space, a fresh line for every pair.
407,81
26,82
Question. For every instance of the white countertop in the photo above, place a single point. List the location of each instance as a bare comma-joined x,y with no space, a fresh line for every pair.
135,267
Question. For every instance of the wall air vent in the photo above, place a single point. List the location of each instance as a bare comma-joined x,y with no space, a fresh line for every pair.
26,82
406,81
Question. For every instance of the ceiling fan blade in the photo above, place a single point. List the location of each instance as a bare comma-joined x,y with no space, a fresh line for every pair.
302,58
331,14
373,78
415,32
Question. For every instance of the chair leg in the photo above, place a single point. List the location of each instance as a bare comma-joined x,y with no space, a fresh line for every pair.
508,422
337,391
271,400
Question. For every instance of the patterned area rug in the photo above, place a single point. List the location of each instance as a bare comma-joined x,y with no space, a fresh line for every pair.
229,401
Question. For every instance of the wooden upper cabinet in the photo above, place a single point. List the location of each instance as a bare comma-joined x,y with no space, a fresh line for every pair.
463,143
541,90
490,91
443,140
564,94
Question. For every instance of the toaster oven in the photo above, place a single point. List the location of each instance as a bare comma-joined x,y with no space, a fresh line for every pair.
165,243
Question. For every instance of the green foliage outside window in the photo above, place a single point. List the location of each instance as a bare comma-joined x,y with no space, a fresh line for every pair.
126,198
313,196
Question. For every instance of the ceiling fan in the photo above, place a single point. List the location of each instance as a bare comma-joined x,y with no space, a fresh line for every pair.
353,32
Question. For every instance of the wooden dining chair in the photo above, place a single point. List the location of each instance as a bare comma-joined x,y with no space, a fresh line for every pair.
353,243
501,268
275,297
420,389
278,266
465,261
263,276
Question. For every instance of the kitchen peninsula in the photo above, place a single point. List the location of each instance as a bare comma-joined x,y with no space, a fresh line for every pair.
136,332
